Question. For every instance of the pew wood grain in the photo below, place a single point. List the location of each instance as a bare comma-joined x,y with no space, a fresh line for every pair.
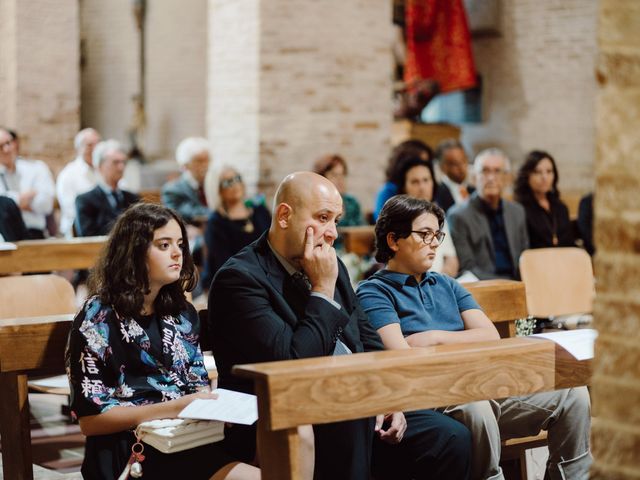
50,255
34,345
330,389
504,301
359,240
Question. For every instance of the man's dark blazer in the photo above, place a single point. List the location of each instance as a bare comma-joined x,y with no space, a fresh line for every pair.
180,196
12,227
472,238
94,213
444,197
258,314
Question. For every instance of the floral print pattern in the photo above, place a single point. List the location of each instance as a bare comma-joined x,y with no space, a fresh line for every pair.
113,361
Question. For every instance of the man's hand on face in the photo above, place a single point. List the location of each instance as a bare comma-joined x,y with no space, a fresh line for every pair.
320,264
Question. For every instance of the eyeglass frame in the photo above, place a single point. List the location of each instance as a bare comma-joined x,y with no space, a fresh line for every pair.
439,235
230,182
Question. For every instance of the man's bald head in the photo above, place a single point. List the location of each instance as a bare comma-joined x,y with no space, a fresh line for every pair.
303,200
296,188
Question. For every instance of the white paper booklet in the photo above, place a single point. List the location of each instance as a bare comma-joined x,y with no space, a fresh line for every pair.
230,406
578,343
4,246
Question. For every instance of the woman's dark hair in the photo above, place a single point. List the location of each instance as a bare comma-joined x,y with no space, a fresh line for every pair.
327,162
404,150
120,278
522,190
397,217
399,178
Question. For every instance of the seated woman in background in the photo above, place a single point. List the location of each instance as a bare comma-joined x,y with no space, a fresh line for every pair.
334,167
536,189
233,225
403,151
415,177
133,353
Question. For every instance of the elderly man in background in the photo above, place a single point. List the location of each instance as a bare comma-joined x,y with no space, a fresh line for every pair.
186,194
489,232
28,183
97,209
76,177
453,163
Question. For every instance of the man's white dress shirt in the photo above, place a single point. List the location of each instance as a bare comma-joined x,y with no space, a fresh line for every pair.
30,175
75,179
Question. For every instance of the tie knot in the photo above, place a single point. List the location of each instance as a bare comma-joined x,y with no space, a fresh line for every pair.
301,279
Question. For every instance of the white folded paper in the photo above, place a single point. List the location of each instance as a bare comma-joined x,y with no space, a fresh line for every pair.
578,343
230,406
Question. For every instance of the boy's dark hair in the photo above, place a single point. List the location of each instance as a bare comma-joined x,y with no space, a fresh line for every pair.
121,278
397,217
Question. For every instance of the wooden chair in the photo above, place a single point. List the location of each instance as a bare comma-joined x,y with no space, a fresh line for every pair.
36,295
558,281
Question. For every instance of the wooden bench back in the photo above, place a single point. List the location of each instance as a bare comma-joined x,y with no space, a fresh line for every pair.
52,254
558,281
503,301
36,295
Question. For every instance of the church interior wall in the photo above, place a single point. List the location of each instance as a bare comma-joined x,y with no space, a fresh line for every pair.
539,86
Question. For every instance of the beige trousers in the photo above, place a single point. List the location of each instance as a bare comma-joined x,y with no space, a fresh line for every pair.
564,414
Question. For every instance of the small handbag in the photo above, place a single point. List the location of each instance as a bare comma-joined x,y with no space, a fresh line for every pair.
169,436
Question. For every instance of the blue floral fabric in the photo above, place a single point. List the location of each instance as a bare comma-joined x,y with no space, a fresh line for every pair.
113,361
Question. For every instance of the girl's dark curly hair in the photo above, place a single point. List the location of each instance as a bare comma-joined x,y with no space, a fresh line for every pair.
397,217
120,277
522,191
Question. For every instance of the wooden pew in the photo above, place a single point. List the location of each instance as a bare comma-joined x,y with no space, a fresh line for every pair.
34,345
504,302
50,255
359,240
330,389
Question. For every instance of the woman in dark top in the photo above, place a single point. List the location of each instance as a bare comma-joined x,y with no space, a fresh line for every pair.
234,224
399,155
133,353
536,189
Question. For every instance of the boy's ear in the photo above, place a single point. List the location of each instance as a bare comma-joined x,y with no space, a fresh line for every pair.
392,241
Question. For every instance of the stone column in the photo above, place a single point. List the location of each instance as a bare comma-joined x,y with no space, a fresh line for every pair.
616,380
290,80
39,79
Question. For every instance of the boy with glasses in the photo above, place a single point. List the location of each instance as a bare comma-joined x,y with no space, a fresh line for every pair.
410,306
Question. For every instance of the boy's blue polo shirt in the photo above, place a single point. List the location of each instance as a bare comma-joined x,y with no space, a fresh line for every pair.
433,304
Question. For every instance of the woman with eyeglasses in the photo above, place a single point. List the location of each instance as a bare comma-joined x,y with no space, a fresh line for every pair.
234,224
536,188
416,178
411,306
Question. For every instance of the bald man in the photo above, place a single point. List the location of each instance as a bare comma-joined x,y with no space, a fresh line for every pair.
287,296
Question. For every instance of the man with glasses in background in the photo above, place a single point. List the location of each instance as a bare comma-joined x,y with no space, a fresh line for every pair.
489,232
